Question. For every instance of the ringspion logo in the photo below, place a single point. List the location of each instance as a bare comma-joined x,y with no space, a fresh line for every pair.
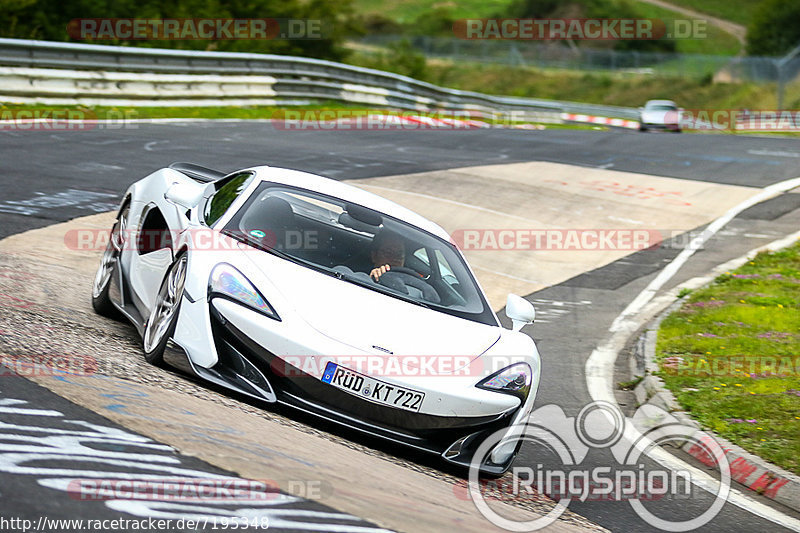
628,477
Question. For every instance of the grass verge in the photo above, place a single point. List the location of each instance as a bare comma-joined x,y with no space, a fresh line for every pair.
145,112
731,356
308,113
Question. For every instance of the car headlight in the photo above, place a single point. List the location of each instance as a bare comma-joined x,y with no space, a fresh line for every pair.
515,379
227,282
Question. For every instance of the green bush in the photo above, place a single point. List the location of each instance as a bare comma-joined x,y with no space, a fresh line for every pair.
436,22
775,28
401,58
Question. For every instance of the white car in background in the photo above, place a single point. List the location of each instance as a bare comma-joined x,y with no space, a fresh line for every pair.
258,281
660,115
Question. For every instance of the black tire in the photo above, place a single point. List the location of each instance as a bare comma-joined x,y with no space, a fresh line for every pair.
157,332
101,302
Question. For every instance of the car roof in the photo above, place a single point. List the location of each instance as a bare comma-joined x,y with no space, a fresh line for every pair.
660,102
349,193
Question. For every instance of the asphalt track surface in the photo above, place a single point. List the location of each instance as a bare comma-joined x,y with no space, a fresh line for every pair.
55,439
106,161
40,168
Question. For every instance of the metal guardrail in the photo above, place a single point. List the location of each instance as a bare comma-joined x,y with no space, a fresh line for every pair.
294,77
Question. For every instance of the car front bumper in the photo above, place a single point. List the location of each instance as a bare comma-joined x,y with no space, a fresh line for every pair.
455,438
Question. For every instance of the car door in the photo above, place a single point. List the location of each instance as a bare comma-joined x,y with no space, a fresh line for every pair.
158,232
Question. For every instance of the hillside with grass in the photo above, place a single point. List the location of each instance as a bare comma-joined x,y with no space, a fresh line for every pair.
693,81
421,17
739,11
596,87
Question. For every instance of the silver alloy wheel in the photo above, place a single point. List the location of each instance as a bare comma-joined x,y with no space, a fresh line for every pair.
118,233
167,301
105,270
116,241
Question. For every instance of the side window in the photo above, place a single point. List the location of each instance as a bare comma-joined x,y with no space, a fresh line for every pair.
445,270
225,196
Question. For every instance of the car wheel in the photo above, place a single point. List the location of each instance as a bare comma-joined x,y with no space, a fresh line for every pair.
161,324
642,128
108,266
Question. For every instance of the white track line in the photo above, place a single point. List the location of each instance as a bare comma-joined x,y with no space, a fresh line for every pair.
600,365
666,274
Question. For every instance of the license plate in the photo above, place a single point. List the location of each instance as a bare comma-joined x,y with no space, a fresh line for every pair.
372,389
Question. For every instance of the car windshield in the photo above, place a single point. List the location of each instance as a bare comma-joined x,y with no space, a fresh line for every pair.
348,241
660,107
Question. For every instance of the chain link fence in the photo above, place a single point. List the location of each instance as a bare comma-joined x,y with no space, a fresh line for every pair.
559,55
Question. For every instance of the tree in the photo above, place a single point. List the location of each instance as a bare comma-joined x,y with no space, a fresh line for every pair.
48,20
775,28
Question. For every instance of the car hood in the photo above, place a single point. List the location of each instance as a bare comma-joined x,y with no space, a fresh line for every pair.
660,117
371,321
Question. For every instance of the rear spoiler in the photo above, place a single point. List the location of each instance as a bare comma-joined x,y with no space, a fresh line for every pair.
198,173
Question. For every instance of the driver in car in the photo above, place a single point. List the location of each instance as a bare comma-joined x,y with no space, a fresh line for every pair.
388,250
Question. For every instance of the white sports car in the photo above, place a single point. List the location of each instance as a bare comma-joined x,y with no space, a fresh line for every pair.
262,281
660,114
